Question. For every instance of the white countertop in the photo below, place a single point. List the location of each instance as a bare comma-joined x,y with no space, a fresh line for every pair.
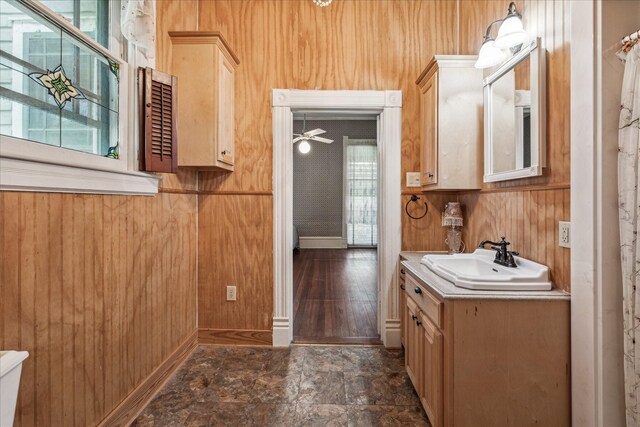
416,256
447,290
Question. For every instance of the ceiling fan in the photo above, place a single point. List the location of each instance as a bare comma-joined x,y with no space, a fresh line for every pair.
307,136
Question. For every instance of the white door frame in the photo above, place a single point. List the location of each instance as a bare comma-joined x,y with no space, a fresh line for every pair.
597,389
388,105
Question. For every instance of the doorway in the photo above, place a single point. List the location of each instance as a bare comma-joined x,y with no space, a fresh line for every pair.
335,194
385,106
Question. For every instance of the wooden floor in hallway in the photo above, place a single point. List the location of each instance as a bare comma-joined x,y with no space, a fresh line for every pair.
335,296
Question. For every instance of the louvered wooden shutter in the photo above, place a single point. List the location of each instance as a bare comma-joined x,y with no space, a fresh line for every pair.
160,128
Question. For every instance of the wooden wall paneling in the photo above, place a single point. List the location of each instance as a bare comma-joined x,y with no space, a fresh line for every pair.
235,248
550,21
172,15
351,45
529,220
139,398
474,17
100,290
426,233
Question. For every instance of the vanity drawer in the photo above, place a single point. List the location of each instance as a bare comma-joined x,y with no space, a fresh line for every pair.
402,273
428,303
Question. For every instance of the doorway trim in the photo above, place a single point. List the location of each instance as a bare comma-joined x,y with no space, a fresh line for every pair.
388,106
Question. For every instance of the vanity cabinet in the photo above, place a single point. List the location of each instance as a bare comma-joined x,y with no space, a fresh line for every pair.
205,66
487,360
432,368
412,349
403,303
451,124
423,349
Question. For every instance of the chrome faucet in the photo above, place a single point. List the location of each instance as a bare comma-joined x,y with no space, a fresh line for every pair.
503,256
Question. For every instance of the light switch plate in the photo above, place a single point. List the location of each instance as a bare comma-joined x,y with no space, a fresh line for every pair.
564,234
413,179
231,293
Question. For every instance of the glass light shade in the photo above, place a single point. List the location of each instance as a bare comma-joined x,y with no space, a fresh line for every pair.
304,147
490,55
452,216
454,240
511,33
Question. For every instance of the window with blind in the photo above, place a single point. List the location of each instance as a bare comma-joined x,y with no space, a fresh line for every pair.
64,85
361,195
55,89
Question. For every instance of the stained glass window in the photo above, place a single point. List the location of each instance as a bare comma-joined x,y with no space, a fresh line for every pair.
54,88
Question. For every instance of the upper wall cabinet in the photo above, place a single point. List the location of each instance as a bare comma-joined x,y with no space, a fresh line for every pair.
205,66
451,118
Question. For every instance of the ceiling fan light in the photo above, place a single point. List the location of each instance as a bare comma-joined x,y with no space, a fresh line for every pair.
511,33
490,55
304,147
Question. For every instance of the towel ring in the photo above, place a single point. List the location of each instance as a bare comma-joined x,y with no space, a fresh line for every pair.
415,198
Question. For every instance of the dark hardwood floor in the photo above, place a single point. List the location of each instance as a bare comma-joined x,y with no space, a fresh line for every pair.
334,296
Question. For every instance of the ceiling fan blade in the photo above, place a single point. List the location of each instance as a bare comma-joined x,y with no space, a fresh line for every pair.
300,138
315,132
321,139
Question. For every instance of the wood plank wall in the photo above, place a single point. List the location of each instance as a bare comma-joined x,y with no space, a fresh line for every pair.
100,290
358,45
97,321
527,211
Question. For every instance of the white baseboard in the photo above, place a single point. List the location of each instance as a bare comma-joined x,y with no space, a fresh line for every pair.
282,333
392,337
323,243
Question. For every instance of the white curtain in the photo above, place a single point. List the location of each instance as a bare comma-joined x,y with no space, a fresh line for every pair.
629,197
362,193
138,25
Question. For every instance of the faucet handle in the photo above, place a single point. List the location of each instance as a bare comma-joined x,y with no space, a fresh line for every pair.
509,261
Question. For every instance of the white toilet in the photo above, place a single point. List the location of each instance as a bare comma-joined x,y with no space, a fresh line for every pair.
10,369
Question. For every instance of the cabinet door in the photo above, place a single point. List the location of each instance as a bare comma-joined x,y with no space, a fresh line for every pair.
412,346
403,313
429,132
431,394
226,108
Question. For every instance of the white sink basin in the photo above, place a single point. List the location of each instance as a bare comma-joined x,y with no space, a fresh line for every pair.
478,271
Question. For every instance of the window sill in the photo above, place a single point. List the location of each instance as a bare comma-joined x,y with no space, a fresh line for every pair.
24,175
26,166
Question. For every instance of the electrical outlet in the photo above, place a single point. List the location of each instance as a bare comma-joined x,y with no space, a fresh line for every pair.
413,179
231,293
564,234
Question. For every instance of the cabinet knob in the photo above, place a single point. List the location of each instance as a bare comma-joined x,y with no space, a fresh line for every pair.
418,290
402,270
402,287
430,175
418,323
413,317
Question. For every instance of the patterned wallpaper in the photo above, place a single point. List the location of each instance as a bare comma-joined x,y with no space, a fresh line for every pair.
317,176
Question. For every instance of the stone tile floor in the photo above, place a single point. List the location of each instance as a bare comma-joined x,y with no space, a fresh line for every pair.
299,386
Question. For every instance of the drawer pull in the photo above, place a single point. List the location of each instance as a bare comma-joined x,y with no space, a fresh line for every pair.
418,290
402,287
413,317
402,270
418,323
